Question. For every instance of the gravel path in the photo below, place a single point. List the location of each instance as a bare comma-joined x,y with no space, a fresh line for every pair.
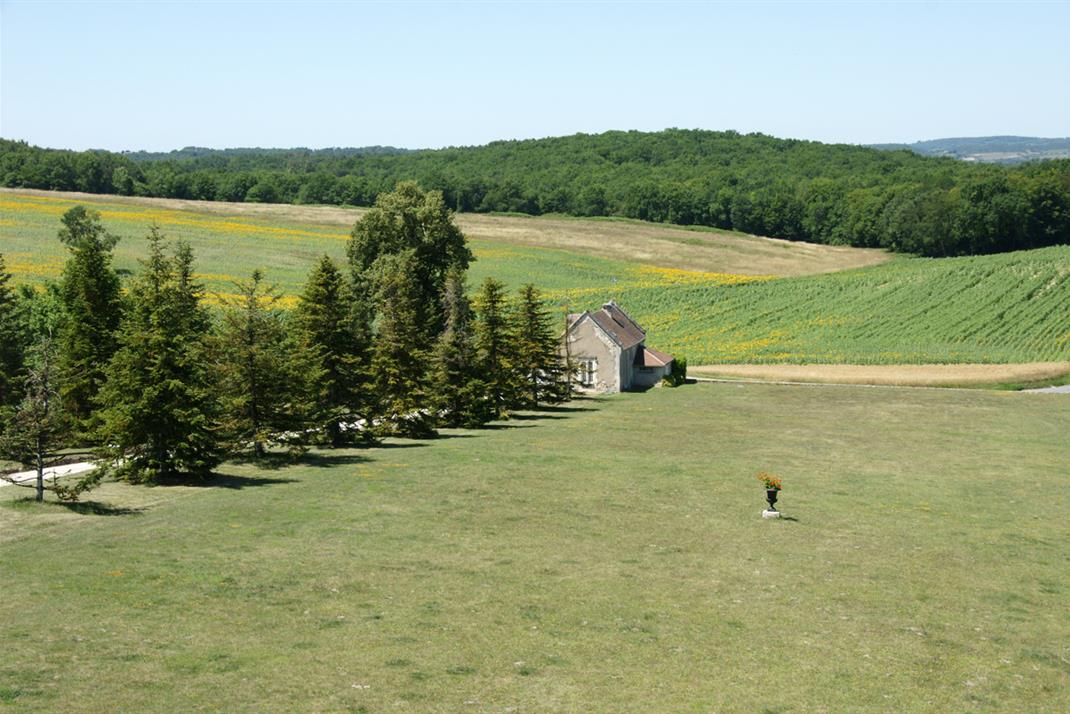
1065,389
30,476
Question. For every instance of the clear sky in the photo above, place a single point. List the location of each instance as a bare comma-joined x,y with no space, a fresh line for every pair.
162,76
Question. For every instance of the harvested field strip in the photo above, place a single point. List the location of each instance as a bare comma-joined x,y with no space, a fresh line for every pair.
687,248
914,375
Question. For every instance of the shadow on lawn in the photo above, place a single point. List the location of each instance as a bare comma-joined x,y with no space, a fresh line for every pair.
85,508
218,480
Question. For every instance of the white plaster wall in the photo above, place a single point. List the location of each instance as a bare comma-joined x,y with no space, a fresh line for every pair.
587,341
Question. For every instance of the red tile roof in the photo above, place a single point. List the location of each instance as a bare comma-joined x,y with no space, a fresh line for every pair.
650,357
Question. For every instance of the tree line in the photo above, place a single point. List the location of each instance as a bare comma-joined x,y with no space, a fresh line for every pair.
784,188
158,385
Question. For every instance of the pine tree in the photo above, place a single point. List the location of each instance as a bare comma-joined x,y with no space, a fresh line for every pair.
159,414
325,330
537,360
262,383
494,346
460,395
89,289
11,348
399,361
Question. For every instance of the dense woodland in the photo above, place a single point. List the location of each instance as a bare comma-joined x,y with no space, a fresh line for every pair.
158,386
797,190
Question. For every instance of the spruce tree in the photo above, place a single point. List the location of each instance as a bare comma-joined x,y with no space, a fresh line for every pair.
263,384
89,289
537,361
494,346
399,361
325,331
460,397
159,414
11,347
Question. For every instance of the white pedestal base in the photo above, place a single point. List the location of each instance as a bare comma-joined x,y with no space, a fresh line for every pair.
770,514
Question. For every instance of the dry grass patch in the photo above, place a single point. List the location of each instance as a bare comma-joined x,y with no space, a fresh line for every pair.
636,241
903,375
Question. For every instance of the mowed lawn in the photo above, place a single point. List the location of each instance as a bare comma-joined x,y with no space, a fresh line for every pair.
608,556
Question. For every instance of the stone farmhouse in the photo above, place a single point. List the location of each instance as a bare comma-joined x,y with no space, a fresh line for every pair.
608,348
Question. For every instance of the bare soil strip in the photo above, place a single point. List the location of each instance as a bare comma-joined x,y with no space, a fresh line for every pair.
650,243
905,375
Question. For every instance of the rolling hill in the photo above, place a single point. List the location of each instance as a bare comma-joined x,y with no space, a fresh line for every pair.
708,296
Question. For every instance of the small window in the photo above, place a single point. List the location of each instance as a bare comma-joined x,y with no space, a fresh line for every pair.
587,371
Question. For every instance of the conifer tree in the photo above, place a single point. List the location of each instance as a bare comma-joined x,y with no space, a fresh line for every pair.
399,361
34,433
460,395
11,348
159,414
537,364
89,289
263,381
324,325
494,346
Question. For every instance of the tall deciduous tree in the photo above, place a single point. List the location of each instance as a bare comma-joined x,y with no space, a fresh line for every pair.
399,363
89,289
460,395
537,363
410,220
494,346
263,380
324,324
159,413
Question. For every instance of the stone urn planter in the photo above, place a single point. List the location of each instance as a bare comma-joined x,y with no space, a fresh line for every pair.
770,496
771,482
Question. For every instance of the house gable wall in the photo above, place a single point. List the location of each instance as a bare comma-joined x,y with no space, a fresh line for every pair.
588,341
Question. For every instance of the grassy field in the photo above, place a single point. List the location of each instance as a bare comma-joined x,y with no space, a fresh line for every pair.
1007,308
606,557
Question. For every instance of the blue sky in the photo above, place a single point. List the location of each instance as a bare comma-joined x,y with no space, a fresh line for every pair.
161,76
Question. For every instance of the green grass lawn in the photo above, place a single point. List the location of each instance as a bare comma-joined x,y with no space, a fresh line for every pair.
608,557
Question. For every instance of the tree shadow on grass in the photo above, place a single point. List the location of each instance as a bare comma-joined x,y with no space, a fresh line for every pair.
85,508
96,508
570,408
275,461
218,480
535,416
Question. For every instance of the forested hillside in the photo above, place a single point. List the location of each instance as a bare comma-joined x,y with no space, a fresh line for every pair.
798,190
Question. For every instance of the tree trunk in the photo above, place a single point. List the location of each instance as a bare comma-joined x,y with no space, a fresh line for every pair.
40,472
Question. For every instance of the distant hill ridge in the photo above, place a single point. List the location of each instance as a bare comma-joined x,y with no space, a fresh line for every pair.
197,152
989,149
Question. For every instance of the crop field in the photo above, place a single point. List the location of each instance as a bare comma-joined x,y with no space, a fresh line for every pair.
1007,308
575,560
